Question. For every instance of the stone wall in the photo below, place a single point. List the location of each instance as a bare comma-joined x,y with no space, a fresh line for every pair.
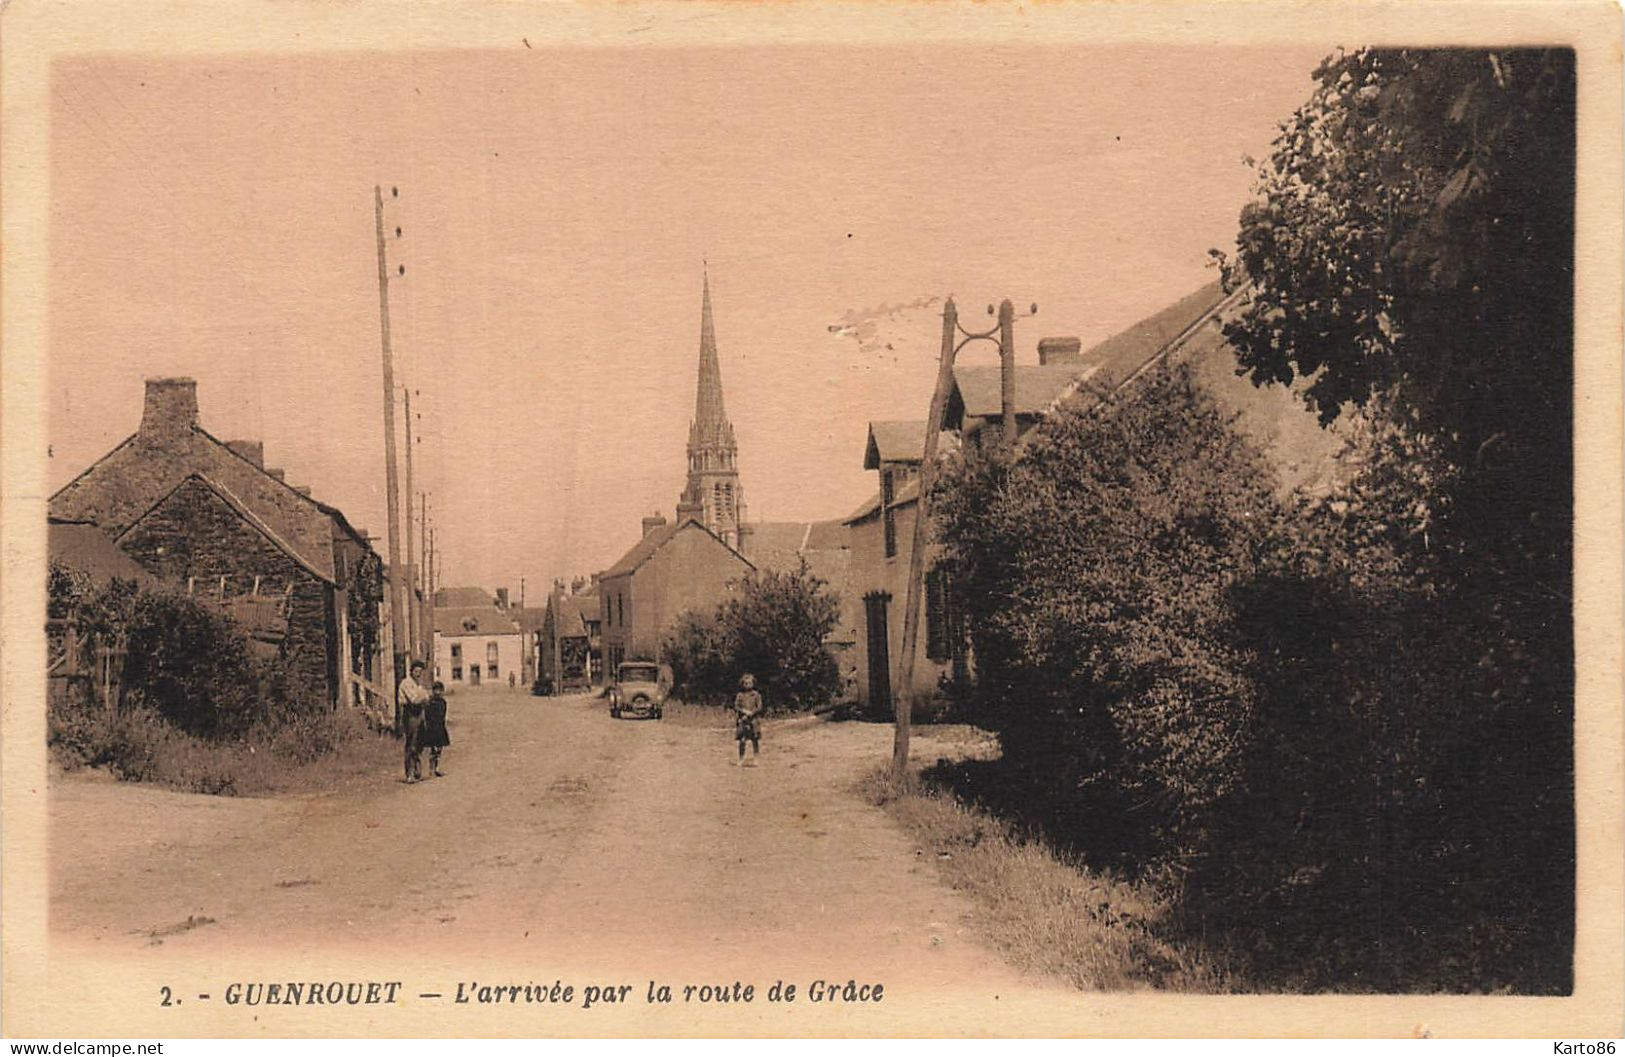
194,533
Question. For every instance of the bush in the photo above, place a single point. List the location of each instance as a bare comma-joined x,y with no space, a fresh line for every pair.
773,627
139,745
1096,573
191,664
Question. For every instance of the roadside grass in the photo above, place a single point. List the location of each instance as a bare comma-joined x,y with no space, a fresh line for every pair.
1041,912
684,714
311,754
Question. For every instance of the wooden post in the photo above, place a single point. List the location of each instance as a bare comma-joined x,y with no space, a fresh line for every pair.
903,696
397,602
412,649
1007,369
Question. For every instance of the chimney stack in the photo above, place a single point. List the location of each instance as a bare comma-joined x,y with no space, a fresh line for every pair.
279,473
1052,351
171,407
302,489
252,450
653,522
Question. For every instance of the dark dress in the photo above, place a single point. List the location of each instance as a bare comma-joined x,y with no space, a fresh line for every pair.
435,735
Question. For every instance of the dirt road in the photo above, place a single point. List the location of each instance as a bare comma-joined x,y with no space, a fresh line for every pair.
558,838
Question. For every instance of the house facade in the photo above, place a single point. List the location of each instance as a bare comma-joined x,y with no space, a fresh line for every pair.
675,567
477,645
881,537
207,515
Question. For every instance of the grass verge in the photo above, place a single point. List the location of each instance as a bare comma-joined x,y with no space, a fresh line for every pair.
311,754
1039,912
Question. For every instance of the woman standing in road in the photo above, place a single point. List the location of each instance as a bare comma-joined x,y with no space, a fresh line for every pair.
435,735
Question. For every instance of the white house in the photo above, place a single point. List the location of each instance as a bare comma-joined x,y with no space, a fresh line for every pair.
477,645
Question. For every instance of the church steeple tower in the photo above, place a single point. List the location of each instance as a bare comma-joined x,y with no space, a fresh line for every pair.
713,495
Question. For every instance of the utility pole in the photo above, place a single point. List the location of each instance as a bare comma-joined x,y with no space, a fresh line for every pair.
426,627
903,699
413,632
553,631
397,601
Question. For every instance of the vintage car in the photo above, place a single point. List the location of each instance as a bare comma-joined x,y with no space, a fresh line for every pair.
638,688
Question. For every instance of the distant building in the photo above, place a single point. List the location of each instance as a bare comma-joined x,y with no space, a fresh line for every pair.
205,514
476,644
574,618
673,568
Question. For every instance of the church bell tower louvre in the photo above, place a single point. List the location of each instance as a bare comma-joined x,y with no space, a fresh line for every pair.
713,495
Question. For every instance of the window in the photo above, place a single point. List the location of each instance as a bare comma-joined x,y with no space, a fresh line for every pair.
620,607
944,624
888,492
491,657
457,662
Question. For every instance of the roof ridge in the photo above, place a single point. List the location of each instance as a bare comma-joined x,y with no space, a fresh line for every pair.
232,500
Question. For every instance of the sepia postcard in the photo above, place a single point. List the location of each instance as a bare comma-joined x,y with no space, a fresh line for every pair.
811,519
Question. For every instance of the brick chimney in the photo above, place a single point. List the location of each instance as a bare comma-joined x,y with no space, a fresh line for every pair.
302,489
252,450
279,473
171,407
502,598
653,522
1059,351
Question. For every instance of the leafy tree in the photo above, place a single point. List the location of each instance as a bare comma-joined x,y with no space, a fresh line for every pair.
1096,571
1409,253
773,627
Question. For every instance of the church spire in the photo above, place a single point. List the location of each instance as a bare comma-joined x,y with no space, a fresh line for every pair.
710,427
712,495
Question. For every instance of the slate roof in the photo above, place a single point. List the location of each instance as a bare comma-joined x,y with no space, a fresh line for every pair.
644,549
1121,355
82,546
575,612
244,511
976,392
894,442
464,596
488,620
1274,417
126,482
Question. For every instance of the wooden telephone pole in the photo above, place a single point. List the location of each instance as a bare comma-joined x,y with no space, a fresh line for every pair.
397,596
951,344
414,634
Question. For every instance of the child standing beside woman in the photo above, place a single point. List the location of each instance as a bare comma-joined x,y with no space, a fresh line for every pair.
435,736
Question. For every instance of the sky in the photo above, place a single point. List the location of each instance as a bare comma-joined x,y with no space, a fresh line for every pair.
213,217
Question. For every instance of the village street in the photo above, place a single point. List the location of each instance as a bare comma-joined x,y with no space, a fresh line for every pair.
559,837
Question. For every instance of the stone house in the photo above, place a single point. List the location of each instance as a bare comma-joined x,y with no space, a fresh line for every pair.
675,567
207,515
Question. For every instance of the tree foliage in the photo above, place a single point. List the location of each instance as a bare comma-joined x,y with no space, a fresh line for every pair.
772,626
184,659
1097,572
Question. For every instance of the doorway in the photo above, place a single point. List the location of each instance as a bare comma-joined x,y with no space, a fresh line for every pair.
874,613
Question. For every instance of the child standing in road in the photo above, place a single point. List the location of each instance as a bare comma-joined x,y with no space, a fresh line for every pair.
747,718
435,735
